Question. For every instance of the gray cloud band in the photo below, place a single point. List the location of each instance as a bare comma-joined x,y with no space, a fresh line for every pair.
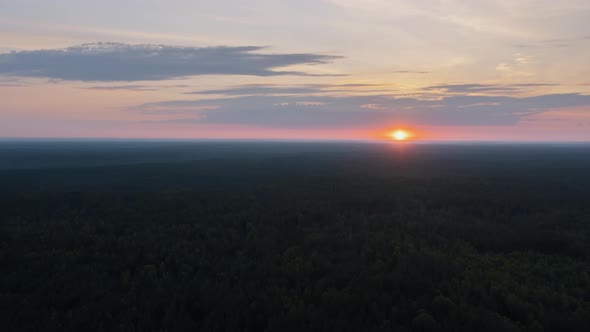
123,62
308,111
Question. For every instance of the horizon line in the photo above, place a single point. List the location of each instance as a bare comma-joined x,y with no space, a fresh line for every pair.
285,140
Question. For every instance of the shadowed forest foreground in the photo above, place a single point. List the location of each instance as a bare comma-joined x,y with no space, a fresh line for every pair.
297,238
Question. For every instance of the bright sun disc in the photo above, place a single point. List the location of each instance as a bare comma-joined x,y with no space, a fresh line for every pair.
399,135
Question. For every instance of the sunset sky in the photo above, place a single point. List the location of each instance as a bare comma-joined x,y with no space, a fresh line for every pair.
306,69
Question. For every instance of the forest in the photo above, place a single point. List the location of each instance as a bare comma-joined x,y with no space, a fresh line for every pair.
266,236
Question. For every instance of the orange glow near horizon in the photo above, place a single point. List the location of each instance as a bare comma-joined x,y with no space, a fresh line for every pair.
400,135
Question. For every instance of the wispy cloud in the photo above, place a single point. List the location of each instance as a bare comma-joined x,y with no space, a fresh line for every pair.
310,111
258,89
557,42
274,89
552,43
122,87
484,88
10,82
124,62
421,72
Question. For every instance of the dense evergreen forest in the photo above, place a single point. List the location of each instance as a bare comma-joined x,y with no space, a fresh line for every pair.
185,236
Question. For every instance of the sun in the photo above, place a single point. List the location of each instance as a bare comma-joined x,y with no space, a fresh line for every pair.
400,135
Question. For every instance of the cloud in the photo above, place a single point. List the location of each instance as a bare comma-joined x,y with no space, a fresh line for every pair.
135,87
412,72
320,111
258,89
122,87
124,62
557,42
10,82
552,43
273,89
484,88
520,45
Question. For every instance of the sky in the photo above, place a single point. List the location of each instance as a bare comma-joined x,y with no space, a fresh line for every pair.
477,70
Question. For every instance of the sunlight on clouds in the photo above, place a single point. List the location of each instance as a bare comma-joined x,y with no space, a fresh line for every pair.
29,34
520,67
350,65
